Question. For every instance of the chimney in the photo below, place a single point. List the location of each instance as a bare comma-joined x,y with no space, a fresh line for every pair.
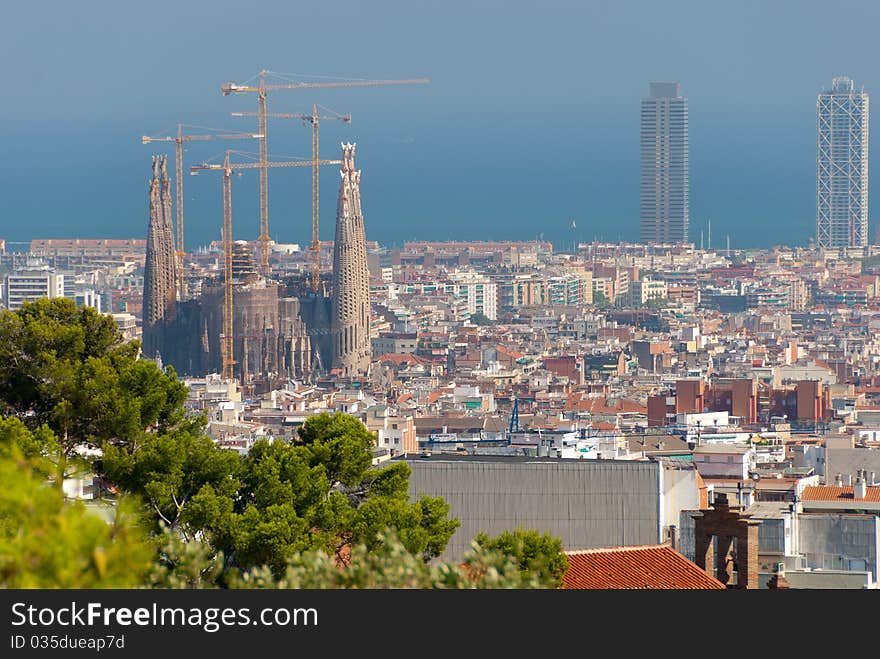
778,580
838,481
872,480
671,535
860,489
849,479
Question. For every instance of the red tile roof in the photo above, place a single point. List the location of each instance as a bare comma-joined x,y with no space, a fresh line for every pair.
649,567
833,493
514,354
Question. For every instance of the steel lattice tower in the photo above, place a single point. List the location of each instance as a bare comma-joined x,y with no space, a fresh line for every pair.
350,318
842,166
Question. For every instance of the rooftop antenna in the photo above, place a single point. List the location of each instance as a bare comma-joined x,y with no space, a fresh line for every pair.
701,240
709,245
728,246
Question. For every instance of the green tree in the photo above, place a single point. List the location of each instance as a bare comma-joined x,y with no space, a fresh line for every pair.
68,368
534,553
47,542
318,493
38,449
185,564
392,565
322,493
599,299
480,319
187,481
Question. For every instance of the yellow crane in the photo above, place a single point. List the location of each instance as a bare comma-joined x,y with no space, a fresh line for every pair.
227,167
179,140
262,90
315,120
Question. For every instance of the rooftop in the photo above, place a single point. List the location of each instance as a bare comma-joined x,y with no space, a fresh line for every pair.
724,449
834,493
646,567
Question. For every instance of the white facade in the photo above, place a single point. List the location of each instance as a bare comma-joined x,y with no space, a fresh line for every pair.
480,292
720,461
89,297
28,285
842,166
647,289
127,324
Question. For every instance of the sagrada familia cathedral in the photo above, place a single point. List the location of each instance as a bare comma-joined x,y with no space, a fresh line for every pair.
350,318
281,329
160,268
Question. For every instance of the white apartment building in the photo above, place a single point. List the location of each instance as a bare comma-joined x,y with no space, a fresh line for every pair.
647,289
28,285
480,292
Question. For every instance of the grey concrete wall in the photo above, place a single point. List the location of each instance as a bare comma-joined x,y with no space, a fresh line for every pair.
821,580
686,534
839,542
586,503
771,536
849,460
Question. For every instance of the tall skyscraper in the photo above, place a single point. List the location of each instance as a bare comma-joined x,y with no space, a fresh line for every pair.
160,268
842,166
350,317
664,165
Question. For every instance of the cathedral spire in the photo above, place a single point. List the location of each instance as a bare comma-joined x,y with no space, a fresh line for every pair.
160,266
350,320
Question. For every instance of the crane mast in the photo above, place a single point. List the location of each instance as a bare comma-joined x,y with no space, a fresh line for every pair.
227,339
178,140
314,119
264,178
228,88
316,234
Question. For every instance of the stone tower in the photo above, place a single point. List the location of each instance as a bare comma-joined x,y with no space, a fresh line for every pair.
160,269
350,317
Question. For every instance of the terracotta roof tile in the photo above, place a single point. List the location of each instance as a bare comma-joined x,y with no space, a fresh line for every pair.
400,358
833,493
642,567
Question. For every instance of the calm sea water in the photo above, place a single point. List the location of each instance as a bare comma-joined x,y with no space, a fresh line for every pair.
434,183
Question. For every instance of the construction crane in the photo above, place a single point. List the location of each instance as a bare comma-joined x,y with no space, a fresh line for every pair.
227,338
315,120
262,90
178,140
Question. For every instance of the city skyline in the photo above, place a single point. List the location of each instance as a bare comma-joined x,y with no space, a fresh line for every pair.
515,359
752,163
664,155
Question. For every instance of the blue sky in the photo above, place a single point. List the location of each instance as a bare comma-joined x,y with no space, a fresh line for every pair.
530,119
